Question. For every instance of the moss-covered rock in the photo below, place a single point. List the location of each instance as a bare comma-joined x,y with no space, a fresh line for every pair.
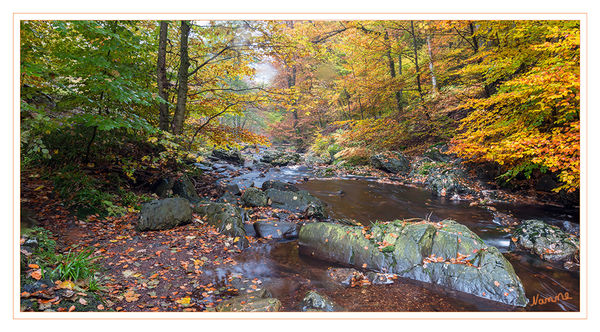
260,301
280,158
314,301
547,241
300,201
164,214
279,185
445,253
226,218
439,153
447,181
392,162
254,197
180,186
233,156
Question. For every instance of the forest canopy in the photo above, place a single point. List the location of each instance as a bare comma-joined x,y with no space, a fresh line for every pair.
505,92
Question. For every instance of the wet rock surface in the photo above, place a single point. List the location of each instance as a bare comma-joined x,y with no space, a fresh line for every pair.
279,185
276,229
259,301
254,197
227,218
447,182
314,301
444,253
297,201
164,214
548,242
352,277
280,158
233,156
392,162
181,186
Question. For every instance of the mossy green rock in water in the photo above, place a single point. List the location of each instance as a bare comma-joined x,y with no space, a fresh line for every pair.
445,253
297,201
547,241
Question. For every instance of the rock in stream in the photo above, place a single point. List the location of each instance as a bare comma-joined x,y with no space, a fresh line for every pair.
547,241
445,253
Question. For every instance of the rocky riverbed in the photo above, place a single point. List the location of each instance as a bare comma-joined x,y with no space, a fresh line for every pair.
431,189
402,234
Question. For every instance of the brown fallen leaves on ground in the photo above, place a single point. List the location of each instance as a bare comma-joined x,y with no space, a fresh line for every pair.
149,271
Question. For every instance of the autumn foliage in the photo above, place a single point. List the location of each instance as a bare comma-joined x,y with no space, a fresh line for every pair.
498,91
532,121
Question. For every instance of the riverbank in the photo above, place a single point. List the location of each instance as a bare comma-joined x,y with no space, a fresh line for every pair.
195,267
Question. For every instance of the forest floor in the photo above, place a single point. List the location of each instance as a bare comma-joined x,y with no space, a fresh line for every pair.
150,271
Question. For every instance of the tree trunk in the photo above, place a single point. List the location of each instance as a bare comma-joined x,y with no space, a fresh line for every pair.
161,77
399,92
433,79
474,38
414,36
388,54
182,77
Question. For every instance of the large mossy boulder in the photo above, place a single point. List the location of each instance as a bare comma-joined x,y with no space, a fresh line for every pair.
445,253
164,214
547,241
227,218
232,156
254,197
392,162
297,201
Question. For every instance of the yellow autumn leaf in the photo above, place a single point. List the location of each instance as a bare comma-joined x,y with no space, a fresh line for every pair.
67,284
184,301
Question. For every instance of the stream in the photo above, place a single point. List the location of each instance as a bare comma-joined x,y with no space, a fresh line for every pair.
289,275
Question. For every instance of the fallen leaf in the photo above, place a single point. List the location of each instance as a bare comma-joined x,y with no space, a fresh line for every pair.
37,275
184,301
67,284
131,296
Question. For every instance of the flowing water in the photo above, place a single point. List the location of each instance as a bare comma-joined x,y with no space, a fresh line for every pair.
366,201
289,275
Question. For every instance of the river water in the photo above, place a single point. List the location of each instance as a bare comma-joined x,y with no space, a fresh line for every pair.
289,275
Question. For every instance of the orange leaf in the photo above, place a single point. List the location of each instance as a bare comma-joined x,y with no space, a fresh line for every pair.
37,275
